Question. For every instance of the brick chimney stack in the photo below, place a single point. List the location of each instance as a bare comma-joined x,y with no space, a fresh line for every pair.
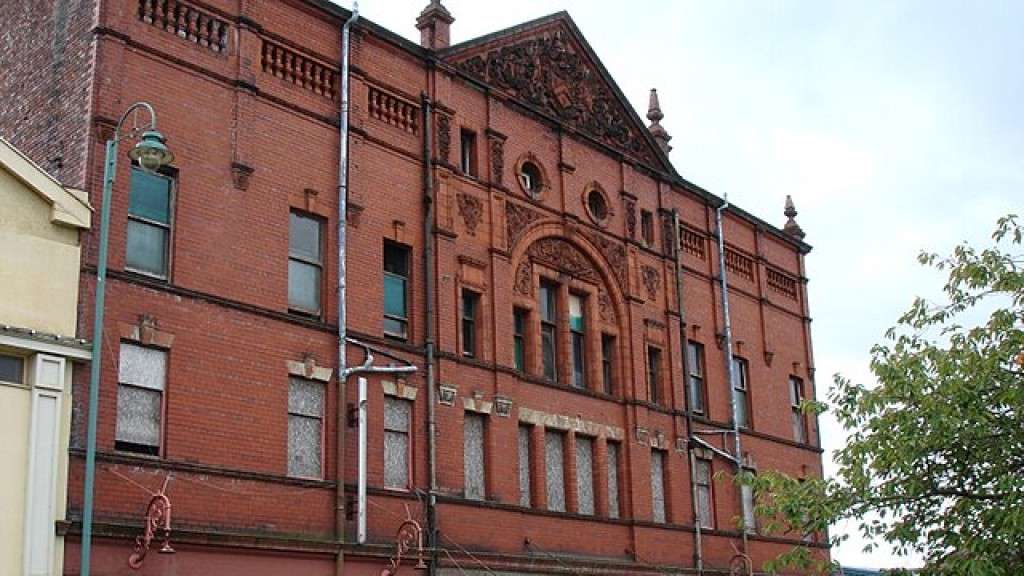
657,130
434,24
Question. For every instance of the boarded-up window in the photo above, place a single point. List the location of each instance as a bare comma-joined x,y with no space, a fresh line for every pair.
585,475
473,455
524,466
658,486
305,428
613,480
554,464
749,520
705,513
142,374
396,442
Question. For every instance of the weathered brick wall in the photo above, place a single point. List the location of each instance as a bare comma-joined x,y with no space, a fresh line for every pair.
46,54
250,113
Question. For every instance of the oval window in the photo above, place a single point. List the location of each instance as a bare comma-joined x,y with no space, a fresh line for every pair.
597,206
531,179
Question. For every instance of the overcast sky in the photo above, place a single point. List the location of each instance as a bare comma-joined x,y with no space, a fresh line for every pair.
895,126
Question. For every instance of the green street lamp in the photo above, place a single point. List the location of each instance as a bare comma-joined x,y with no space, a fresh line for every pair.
150,153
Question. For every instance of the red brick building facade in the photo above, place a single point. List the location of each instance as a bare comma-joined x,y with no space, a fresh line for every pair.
552,216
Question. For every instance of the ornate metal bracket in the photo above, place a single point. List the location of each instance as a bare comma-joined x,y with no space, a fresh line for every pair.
158,525
740,565
409,537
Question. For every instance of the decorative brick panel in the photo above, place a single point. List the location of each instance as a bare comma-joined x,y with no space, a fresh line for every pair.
304,72
782,283
739,264
693,243
187,22
393,110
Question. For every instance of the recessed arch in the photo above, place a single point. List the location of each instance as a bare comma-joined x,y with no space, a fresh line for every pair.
580,257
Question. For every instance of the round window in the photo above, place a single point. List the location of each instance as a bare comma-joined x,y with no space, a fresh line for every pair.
531,179
597,206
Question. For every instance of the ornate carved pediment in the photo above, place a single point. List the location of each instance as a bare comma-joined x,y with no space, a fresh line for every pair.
550,70
561,255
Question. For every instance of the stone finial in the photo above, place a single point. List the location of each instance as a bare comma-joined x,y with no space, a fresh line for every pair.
434,24
655,115
791,227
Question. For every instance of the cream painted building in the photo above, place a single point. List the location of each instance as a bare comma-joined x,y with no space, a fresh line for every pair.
40,226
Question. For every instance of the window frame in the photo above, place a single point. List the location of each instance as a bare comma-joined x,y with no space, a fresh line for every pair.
750,519
171,175
578,344
549,328
468,153
709,486
20,360
801,431
520,324
662,457
319,265
133,447
741,375
647,228
408,432
403,321
696,374
526,493
608,343
613,511
469,342
654,374
467,416
323,428
549,470
579,440
532,185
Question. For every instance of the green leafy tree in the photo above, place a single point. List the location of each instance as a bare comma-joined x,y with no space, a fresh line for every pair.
934,463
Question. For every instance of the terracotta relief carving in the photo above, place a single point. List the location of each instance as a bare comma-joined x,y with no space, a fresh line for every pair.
561,255
550,73
517,221
651,278
524,278
604,306
471,209
497,161
667,238
615,254
631,218
444,137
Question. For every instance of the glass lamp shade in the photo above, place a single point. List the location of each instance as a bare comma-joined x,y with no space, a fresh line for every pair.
151,153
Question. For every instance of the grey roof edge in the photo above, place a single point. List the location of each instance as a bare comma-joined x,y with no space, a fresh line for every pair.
47,339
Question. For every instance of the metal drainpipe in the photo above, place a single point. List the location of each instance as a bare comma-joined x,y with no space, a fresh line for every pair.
680,304
339,504
428,313
727,323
